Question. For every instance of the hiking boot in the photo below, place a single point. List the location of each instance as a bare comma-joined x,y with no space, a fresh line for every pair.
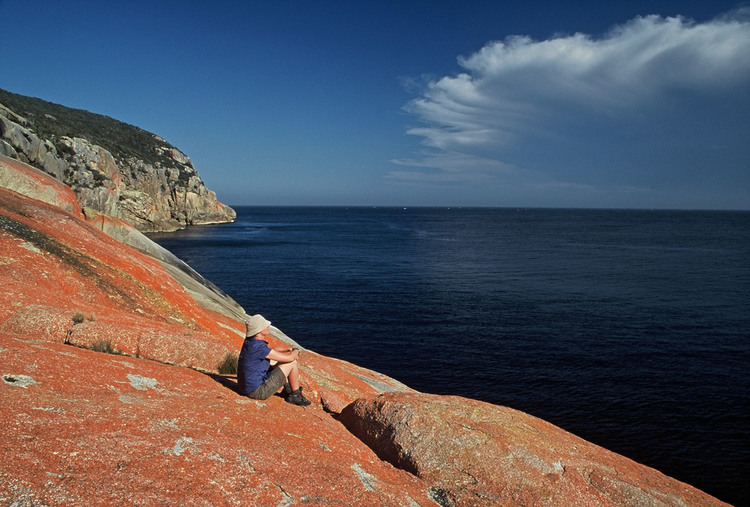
296,398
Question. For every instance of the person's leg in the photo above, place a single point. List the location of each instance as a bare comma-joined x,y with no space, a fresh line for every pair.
270,386
291,370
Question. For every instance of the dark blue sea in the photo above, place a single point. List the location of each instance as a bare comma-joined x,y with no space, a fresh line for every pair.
628,328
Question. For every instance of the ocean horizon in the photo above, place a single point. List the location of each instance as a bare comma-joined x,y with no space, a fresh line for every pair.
628,328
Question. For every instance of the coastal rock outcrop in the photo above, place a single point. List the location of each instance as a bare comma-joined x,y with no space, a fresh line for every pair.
85,428
113,168
474,453
86,285
111,396
98,282
33,183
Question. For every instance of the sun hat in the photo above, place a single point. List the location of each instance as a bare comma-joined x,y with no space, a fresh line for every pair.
256,324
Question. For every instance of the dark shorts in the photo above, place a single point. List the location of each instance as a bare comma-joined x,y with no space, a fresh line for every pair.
270,386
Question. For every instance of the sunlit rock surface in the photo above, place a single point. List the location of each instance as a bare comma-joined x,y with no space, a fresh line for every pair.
476,453
148,421
150,184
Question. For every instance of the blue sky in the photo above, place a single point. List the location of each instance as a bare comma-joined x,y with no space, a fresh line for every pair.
628,104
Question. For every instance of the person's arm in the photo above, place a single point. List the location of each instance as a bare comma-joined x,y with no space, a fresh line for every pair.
283,357
283,348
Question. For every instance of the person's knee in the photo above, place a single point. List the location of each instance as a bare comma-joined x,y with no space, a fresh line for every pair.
287,368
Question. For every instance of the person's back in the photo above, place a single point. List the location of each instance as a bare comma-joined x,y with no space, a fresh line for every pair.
252,365
257,378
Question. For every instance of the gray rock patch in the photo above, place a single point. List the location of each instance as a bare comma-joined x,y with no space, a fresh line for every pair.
182,445
382,387
368,481
29,246
142,383
19,380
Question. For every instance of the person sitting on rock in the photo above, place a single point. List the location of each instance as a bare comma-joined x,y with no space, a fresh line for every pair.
262,370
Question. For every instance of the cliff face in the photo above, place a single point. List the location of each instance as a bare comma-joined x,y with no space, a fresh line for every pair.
113,168
153,424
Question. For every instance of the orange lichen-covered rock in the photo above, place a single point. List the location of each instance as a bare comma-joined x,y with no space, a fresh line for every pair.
86,286
32,182
338,383
80,427
86,428
475,453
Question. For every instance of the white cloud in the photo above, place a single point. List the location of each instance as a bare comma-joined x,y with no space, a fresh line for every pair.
520,95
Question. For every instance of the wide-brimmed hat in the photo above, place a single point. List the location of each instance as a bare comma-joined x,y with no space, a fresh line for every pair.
256,324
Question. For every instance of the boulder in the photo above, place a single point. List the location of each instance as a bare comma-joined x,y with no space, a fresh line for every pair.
475,453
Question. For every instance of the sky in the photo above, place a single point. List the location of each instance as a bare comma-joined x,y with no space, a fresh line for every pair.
523,103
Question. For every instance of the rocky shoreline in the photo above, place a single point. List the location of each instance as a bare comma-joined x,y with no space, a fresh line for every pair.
109,349
138,177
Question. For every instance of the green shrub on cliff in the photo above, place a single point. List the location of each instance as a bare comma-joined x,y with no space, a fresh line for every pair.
52,121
